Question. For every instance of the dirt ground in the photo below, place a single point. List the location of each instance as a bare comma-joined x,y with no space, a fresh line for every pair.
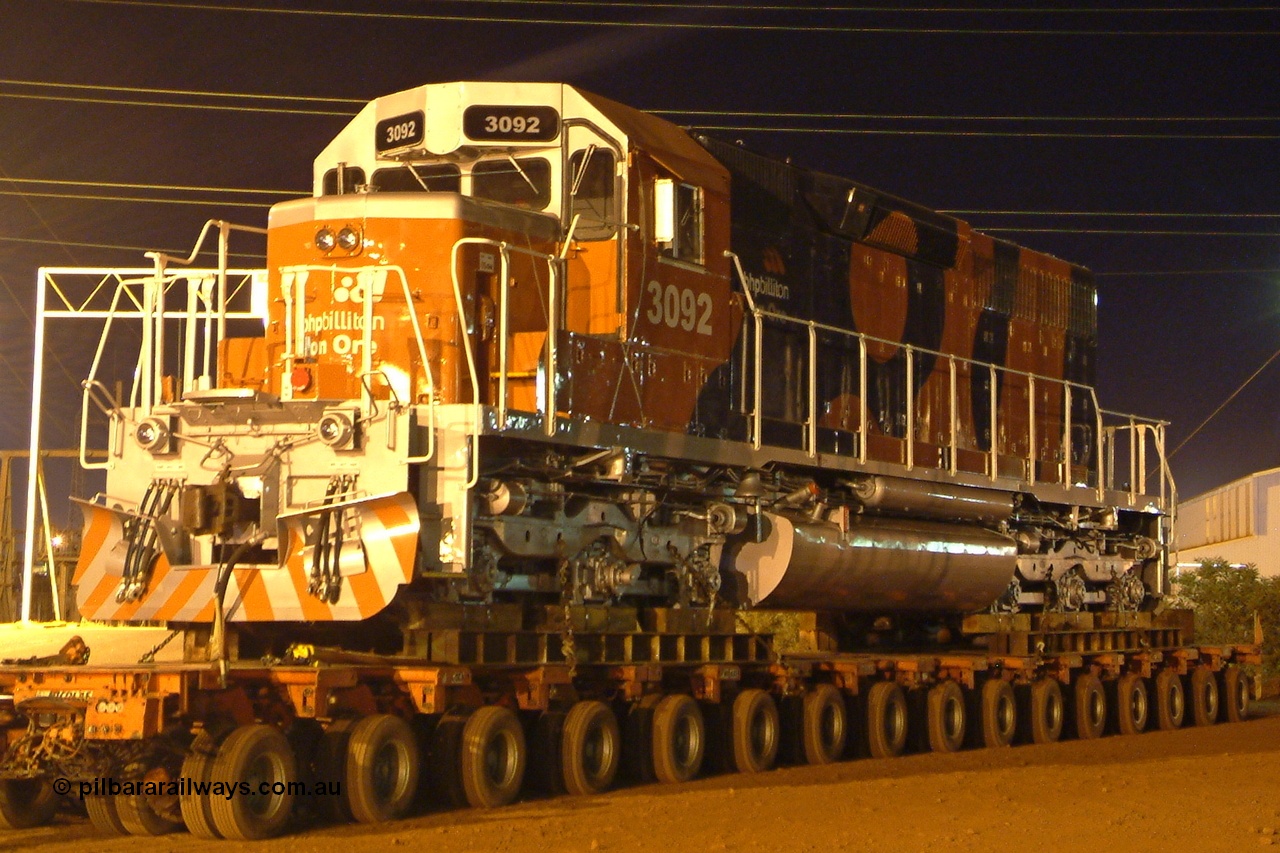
1214,789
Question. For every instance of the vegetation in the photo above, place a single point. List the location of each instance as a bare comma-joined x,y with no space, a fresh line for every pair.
1226,599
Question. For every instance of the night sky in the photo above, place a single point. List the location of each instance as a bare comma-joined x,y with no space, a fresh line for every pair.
1140,142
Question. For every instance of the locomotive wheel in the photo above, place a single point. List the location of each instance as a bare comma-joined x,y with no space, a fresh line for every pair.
679,739
1233,694
755,731
381,769
331,769
1203,690
886,720
144,815
637,750
104,815
590,748
1131,707
260,756
998,713
1170,700
492,758
944,714
824,726
1046,712
197,809
1088,706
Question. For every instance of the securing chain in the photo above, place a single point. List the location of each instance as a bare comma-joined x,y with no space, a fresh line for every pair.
150,656
567,646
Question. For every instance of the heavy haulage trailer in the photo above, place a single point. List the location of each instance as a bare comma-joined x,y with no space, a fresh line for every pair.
500,473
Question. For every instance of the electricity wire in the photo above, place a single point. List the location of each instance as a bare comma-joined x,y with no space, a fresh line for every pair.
680,25
1224,404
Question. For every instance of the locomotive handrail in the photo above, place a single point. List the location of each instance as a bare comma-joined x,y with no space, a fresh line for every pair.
153,333
504,250
1102,468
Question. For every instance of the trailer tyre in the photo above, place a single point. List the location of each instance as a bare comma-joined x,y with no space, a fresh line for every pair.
144,815
1170,700
493,757
104,815
259,756
998,713
886,720
637,752
1088,706
1203,689
1046,712
331,768
679,739
1233,692
1132,706
381,769
756,729
825,727
944,713
25,803
590,748
197,809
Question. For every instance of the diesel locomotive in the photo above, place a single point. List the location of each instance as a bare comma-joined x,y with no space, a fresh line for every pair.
543,394
527,343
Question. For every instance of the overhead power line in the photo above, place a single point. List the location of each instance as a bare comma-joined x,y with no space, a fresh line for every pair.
1146,273
139,249
161,187
136,199
1137,232
1026,134
1102,213
1223,405
935,117
383,15
282,104
129,102
968,10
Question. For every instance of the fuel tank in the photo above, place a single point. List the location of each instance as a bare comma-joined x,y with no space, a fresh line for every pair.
869,565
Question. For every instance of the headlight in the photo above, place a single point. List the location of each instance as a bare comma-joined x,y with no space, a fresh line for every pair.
337,429
325,240
154,435
349,239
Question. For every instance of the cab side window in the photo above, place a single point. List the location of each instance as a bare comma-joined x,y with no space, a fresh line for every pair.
592,184
678,220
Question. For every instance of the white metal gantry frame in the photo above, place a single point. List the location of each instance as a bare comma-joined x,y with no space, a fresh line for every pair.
108,294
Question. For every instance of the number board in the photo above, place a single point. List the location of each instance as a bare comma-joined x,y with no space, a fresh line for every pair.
400,131
511,124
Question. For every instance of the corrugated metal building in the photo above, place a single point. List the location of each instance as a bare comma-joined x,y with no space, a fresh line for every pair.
1238,522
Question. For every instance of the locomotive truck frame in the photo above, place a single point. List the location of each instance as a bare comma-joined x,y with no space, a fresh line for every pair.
537,396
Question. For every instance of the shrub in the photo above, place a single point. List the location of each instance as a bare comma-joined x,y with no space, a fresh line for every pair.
1225,599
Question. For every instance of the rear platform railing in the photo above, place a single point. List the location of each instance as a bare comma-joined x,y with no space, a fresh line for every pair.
1092,450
